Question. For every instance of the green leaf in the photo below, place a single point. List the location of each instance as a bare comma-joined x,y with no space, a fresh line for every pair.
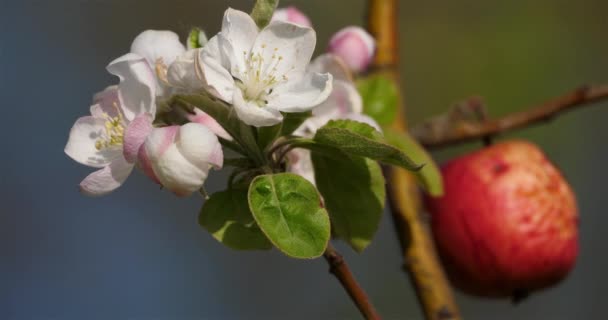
430,175
292,121
360,139
262,12
227,217
288,210
380,98
353,190
227,118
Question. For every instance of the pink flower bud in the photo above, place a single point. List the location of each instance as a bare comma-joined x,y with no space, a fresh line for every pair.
203,118
293,15
179,157
354,46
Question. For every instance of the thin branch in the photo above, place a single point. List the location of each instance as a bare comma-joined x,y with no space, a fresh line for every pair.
339,268
434,134
423,267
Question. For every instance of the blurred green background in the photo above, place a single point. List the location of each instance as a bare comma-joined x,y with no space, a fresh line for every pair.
139,253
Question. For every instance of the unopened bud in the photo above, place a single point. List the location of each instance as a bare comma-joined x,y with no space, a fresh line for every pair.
355,46
293,15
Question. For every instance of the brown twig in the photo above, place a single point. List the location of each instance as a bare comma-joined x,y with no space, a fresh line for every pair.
421,263
339,268
433,135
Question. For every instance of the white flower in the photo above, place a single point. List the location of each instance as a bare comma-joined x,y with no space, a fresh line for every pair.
344,103
175,69
179,157
121,117
160,49
262,73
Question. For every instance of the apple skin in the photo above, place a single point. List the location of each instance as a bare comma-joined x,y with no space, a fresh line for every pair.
507,223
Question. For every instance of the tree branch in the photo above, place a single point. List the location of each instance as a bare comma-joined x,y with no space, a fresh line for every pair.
421,263
437,133
339,268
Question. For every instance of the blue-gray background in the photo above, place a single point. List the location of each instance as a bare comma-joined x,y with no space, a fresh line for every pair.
139,253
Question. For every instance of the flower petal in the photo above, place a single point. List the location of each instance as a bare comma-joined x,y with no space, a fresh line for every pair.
240,30
294,46
145,164
293,15
331,63
107,179
178,174
254,115
159,140
299,162
81,143
137,88
106,102
344,99
183,73
214,66
309,92
201,117
155,45
199,145
135,135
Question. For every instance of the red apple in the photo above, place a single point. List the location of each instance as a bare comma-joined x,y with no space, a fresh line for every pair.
507,223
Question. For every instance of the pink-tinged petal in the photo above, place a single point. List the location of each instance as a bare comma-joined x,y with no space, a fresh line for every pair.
178,174
331,63
355,46
106,102
107,179
145,165
344,99
155,45
303,95
159,140
299,162
137,88
81,143
293,15
254,115
199,146
203,118
363,118
135,135
216,158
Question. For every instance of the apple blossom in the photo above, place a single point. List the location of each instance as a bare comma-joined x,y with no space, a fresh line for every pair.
293,15
175,69
120,118
179,157
263,73
344,103
160,48
355,46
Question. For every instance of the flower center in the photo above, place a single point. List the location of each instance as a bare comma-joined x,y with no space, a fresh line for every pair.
114,131
261,75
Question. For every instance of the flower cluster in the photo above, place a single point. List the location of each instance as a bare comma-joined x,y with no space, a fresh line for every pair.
262,74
